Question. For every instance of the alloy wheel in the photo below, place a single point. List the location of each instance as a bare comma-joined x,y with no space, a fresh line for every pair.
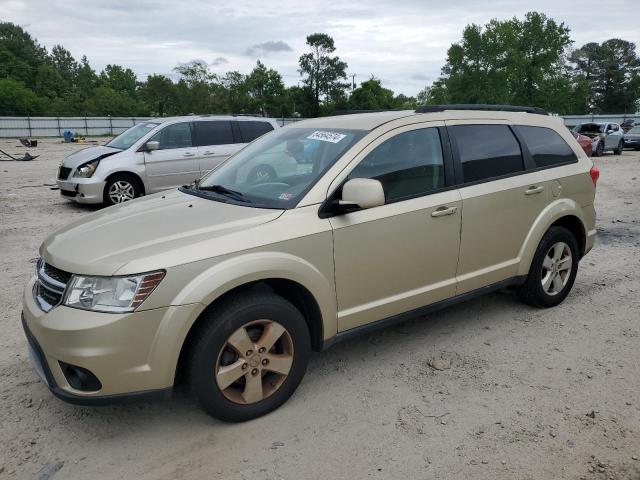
121,191
556,268
254,362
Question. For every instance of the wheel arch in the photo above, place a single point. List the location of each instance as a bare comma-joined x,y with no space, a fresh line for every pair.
128,173
563,212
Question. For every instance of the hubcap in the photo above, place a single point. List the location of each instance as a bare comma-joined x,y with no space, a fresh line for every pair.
121,191
556,268
254,361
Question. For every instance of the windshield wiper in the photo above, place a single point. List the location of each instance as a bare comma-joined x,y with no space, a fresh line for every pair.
222,190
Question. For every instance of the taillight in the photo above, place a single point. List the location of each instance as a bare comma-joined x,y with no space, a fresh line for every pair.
595,174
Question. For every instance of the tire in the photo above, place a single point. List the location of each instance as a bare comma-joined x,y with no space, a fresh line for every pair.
532,291
212,351
618,151
121,188
261,173
599,149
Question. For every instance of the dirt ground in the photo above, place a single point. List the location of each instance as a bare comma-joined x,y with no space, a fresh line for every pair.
516,392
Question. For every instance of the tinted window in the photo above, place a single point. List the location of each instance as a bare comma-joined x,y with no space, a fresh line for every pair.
546,146
487,151
249,131
213,133
177,135
408,165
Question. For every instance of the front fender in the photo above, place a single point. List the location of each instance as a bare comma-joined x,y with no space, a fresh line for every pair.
561,207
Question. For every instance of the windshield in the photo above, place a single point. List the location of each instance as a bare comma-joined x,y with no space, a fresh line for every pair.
280,167
132,135
635,130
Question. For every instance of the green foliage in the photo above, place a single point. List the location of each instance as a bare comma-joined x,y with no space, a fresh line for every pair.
516,61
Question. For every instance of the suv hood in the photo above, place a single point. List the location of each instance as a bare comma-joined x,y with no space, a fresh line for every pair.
149,231
87,154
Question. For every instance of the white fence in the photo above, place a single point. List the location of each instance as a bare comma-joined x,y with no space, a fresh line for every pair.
573,120
20,127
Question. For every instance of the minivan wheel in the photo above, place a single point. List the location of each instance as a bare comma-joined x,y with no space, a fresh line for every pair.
553,270
121,188
249,356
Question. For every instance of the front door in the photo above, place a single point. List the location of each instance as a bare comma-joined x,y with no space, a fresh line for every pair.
175,162
402,255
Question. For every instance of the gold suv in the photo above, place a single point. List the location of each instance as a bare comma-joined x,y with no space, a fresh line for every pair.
354,222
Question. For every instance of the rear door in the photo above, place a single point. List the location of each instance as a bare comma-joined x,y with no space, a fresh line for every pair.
500,200
215,142
175,162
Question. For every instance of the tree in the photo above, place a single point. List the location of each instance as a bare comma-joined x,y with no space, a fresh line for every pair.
322,73
513,61
265,87
371,95
609,74
159,94
20,55
119,79
17,99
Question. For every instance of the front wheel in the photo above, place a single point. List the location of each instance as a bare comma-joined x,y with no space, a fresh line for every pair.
618,151
249,356
599,149
553,269
121,188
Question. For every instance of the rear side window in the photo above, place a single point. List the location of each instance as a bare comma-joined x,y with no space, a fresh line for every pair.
408,165
249,131
546,146
213,133
487,151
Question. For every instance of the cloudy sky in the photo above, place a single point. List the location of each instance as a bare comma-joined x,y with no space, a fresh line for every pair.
402,42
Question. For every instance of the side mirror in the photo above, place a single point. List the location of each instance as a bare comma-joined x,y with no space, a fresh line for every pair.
152,145
363,193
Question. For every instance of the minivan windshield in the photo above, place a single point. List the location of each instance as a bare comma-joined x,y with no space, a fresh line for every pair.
132,135
276,170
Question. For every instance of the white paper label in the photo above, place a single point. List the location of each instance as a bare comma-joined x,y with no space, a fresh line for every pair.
326,136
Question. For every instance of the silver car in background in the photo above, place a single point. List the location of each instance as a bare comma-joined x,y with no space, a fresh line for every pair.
157,155
605,137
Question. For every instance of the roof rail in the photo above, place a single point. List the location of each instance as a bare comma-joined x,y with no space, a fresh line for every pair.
354,112
481,106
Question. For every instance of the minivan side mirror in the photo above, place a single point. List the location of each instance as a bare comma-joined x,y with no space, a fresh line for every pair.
363,193
152,145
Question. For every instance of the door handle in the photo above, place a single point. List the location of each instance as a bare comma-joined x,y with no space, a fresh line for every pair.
188,154
442,211
533,190
209,153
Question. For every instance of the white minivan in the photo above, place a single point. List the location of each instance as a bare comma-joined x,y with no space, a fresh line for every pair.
157,155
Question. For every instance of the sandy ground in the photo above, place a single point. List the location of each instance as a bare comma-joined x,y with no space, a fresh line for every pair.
518,393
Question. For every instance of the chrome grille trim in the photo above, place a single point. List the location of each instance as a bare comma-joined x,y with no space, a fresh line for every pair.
48,291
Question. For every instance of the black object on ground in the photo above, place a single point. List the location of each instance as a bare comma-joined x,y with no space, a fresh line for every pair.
25,158
27,142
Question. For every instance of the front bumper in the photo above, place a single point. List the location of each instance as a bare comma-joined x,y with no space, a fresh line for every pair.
82,190
134,355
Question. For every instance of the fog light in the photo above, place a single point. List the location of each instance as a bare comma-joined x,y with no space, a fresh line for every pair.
80,378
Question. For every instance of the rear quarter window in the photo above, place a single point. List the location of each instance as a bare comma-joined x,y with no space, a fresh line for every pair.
487,151
249,130
546,146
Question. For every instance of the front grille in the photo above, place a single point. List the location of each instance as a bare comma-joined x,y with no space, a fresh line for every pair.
50,285
68,193
63,173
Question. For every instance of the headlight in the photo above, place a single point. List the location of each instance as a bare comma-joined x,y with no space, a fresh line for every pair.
111,294
86,170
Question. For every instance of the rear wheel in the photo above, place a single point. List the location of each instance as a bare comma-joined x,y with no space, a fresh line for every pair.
618,151
249,357
121,188
553,269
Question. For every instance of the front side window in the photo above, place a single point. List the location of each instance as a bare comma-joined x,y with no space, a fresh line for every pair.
130,136
546,147
278,169
177,135
408,165
250,130
213,133
487,151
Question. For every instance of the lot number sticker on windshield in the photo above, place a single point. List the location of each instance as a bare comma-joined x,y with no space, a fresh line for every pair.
326,136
